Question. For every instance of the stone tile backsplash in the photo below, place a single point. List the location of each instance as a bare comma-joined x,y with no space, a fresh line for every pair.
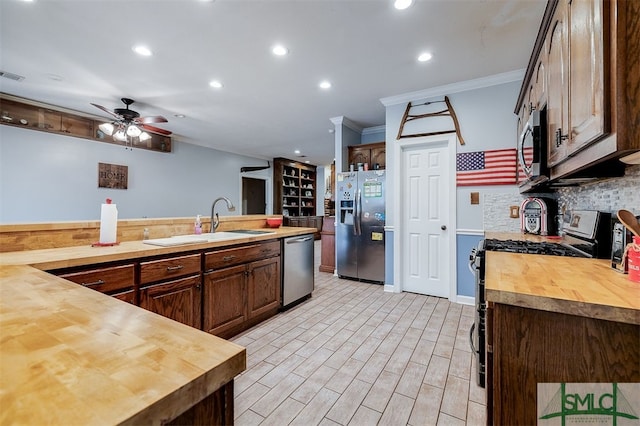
608,195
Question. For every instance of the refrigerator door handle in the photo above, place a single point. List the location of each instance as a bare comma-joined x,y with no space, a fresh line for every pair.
358,218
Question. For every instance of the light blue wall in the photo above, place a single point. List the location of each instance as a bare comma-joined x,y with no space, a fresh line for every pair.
371,137
388,258
349,137
48,177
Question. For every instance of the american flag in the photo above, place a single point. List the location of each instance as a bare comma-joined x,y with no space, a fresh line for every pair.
528,156
497,167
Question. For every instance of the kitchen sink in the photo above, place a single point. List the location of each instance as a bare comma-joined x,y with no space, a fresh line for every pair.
179,240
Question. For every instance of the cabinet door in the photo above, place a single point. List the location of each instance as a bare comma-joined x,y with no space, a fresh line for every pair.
540,80
586,90
378,156
179,300
359,155
264,286
224,306
557,96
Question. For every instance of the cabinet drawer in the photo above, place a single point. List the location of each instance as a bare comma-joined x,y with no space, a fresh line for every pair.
127,296
235,256
105,280
158,270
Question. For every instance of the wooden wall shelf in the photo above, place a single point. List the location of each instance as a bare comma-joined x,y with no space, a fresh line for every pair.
32,115
294,188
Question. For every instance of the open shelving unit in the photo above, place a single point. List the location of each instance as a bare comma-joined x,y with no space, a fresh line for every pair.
294,188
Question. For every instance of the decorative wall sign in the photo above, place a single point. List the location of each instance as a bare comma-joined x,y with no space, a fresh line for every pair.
113,176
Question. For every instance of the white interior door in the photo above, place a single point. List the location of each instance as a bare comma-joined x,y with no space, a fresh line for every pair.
425,215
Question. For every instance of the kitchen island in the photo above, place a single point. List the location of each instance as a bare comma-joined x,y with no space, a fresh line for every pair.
554,319
72,355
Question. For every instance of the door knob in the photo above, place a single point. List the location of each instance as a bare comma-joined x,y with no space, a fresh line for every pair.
443,227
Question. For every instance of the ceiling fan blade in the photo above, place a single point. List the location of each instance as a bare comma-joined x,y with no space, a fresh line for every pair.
151,119
118,116
154,129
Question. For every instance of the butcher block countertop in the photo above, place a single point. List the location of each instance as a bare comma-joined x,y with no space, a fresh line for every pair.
49,259
568,285
72,355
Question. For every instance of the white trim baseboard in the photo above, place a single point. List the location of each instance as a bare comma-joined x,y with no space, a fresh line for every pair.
465,300
479,232
390,288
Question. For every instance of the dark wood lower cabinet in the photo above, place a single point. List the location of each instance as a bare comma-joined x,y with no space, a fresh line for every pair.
305,222
263,287
238,297
530,346
224,299
127,296
179,300
328,245
216,409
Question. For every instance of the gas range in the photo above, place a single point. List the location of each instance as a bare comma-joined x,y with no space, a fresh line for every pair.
587,234
532,247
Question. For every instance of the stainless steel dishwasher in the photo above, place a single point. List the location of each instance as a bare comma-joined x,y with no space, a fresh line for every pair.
297,272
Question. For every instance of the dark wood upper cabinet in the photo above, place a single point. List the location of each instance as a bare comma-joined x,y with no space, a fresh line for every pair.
372,154
583,70
33,115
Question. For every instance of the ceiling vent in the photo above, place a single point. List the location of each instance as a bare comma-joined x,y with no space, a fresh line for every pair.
11,76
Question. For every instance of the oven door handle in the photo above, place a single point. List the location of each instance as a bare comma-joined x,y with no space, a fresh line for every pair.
473,349
472,261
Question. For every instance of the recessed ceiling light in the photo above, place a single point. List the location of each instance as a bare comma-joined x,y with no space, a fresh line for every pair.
325,85
402,4
424,57
279,50
215,84
307,161
297,151
179,115
142,50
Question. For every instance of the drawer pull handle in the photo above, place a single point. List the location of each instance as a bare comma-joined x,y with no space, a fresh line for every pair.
93,283
228,258
174,268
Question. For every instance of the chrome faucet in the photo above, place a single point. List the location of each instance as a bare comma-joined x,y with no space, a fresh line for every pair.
215,220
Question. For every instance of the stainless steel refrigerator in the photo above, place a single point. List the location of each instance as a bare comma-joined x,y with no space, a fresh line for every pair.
360,217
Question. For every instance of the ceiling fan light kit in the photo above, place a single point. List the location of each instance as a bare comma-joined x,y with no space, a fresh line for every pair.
128,126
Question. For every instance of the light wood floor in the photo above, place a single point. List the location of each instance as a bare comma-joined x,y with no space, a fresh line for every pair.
355,355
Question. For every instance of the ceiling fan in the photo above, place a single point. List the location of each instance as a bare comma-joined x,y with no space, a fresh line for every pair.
128,126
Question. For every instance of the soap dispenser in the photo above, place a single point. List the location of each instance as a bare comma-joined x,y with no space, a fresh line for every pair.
198,225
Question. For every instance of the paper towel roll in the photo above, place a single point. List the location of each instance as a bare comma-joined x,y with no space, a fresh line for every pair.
108,223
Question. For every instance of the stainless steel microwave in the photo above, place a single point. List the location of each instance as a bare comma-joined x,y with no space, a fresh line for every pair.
532,152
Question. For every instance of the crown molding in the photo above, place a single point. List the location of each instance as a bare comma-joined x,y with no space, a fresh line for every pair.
375,129
344,121
462,86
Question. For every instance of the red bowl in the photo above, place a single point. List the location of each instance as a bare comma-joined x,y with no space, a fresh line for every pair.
274,222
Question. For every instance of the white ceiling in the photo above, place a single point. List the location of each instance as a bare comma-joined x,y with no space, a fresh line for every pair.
269,106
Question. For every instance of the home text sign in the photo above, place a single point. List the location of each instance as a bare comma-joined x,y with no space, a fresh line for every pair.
112,176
